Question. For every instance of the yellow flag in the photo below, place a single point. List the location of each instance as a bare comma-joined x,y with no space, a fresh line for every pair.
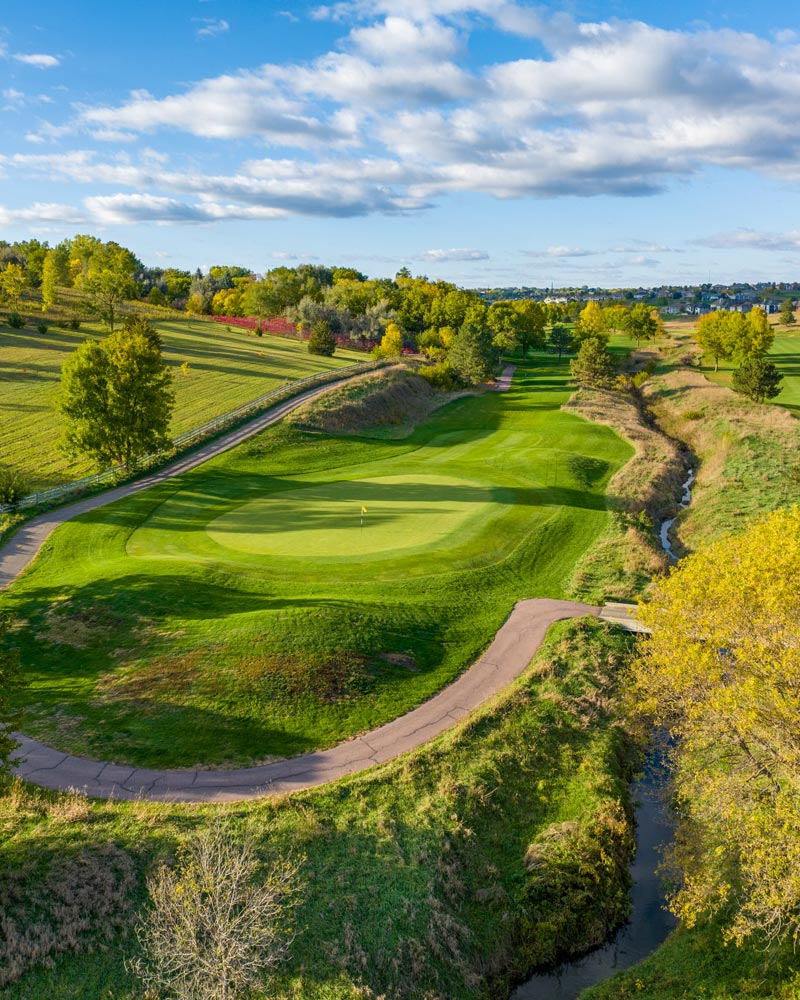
363,510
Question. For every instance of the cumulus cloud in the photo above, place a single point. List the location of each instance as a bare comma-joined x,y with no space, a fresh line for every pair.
393,118
453,254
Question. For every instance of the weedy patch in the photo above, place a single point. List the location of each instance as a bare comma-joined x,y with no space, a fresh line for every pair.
80,628
329,678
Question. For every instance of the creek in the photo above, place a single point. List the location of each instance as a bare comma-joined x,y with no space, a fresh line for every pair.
685,500
648,924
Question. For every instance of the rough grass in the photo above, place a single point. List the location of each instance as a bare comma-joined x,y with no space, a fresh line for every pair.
749,453
226,370
446,873
388,404
640,495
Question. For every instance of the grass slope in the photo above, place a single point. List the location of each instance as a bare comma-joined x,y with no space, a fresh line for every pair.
441,875
148,641
226,369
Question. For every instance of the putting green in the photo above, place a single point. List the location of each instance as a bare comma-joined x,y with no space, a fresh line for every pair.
325,521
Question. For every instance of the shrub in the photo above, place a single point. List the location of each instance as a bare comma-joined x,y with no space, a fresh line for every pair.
12,487
42,327
441,376
692,414
15,320
74,323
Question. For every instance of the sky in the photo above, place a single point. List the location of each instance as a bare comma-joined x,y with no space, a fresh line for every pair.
487,142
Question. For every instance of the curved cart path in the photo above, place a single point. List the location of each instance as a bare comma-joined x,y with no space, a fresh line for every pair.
506,658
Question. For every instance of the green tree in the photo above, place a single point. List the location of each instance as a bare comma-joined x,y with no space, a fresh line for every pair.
593,366
713,336
108,280
720,673
758,379
55,274
532,322
322,340
13,282
787,312
473,355
138,324
505,323
759,336
11,680
643,323
559,339
117,398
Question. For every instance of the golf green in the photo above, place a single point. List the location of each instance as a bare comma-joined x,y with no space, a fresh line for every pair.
356,518
240,611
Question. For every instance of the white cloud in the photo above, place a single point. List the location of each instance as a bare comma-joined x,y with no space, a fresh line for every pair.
41,213
455,253
560,252
38,59
750,239
210,26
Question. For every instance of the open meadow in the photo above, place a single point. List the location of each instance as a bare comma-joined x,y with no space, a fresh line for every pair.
242,611
226,368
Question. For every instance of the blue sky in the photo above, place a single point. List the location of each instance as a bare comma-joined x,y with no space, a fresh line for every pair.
489,142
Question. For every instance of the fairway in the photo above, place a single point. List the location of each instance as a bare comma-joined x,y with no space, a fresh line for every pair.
785,354
240,611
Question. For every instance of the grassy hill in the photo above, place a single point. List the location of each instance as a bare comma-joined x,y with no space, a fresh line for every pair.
226,369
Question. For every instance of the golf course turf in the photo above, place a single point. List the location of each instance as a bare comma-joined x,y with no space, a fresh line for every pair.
241,612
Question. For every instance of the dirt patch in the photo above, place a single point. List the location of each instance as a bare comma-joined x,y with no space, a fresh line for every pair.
159,678
330,678
79,627
400,660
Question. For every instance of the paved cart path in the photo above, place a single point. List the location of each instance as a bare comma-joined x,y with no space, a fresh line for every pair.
505,659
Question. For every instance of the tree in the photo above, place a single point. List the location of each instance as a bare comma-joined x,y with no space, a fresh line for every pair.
322,341
138,324
643,323
505,323
218,921
108,280
758,338
720,673
590,324
758,379
532,321
593,365
391,345
473,355
713,336
13,282
10,681
117,398
787,312
559,339
55,274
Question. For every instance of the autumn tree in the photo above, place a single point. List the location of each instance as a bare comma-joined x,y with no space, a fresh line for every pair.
391,345
218,921
590,324
117,398
138,324
787,312
593,366
757,339
757,379
643,323
713,336
13,282
720,673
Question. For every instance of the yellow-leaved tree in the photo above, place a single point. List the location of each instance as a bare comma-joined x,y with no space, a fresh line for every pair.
721,673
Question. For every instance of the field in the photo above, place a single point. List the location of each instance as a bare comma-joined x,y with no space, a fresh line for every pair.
226,369
241,612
